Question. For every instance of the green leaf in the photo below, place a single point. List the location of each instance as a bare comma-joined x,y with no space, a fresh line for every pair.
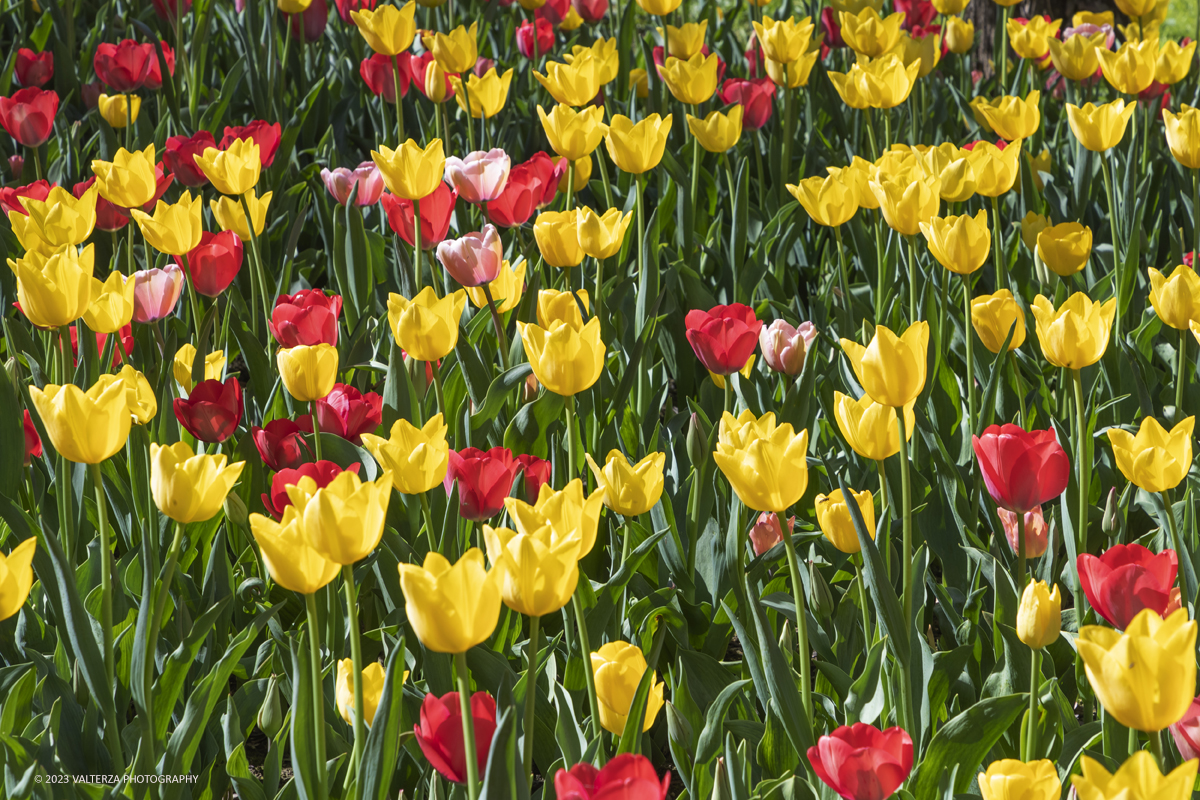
714,723
632,735
964,742
887,605
304,722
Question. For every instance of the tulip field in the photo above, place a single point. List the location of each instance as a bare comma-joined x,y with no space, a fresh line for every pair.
479,400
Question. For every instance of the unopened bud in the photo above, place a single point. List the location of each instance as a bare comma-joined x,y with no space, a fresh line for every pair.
720,782
235,510
823,605
785,641
270,714
1111,525
697,441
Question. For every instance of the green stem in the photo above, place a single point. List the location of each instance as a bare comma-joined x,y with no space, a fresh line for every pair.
844,274
912,280
531,660
572,453
360,726
1196,199
997,246
585,650
501,336
437,387
399,103
906,553
1019,385
111,734
1035,685
871,134
1116,237
728,394
1154,739
160,603
570,183
881,257
801,627
1181,373
1004,51
316,426
866,614
318,696
428,515
1084,467
789,114
258,265
1022,578
417,242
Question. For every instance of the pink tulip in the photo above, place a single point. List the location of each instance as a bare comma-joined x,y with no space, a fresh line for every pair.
156,292
784,347
366,176
1036,532
767,532
1186,732
479,177
475,259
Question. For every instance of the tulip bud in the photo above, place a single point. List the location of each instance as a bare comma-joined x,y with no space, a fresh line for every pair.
823,605
1039,617
14,376
697,441
270,715
236,511
1112,523
786,643
720,782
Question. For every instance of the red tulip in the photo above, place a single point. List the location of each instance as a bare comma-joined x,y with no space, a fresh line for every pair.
1021,469
154,76
484,479
214,263
525,38
629,776
34,69
723,337
28,115
10,196
33,442
348,413
122,67
125,335
315,18
418,66
757,98
861,762
212,411
1125,579
436,210
162,182
322,473
553,11
264,134
178,156
754,58
831,28
380,77
482,65
440,733
537,474
308,317
591,10
280,444
167,9
344,7
1186,732
917,13
16,165
108,216
531,185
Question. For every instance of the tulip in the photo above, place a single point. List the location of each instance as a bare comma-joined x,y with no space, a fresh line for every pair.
631,489
861,762
868,33
1183,135
214,262
308,372
474,259
214,366
84,427
537,473
768,532
1154,460
906,204
1065,248
718,131
637,148
535,39
573,134
960,244
12,198
1013,118
366,178
659,8
784,347
234,171
1076,57
451,608
119,110
54,290
833,517
426,326
829,201
1186,732
1176,300
755,97
628,775
583,173
1146,677
765,464
693,81
59,220
16,577
347,413
1039,617
505,288
1131,69
569,512
212,410
1099,128
343,521
436,210
280,444
1075,335
1138,776
456,51
487,95
996,170
33,442
1028,38
539,569
430,79
870,428
1021,469
372,690
1173,63
112,304
484,480
604,53
783,40
1033,224
618,668
156,291
959,35
174,229
308,317
557,238
289,558
440,732
531,185
321,473
1036,531
685,41
1010,779
601,236
179,157
388,30
266,135
1125,579
891,368
723,337
993,316
409,171
231,215
481,176
565,360
28,115
33,69
575,84
380,72
189,487
561,307
417,457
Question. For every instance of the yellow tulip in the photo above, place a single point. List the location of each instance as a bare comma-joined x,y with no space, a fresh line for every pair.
456,51
1136,8
907,203
639,82
659,8
111,305
58,221
718,131
488,94
960,35
231,214
416,457
85,427
1146,677
891,369
686,40
993,316
570,512
1176,300
128,180
293,6
630,489
174,228
574,84
996,170
344,520
950,8
557,238
618,668
54,290
435,82
1154,459
139,395
693,81
388,30
1138,777
604,51
925,51
426,326
564,360
858,175
1099,128
871,429
189,487
1130,69
883,83
833,516
601,235
1075,335
372,688
827,200
292,562
960,244
506,288
1065,248
1174,62
783,40
555,307
637,148
870,34
539,569
766,464
792,74
120,109
583,173
1029,39
1077,58
1097,18
409,171
952,168
234,170
214,366
308,372
1039,617
1183,135
452,608
1033,224
573,134
16,577
1009,779
1013,118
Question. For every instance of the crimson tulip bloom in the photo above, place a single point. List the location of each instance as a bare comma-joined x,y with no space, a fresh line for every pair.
322,473
629,776
348,413
308,317
264,134
723,337
167,9
418,68
531,185
380,77
917,13
280,444
178,156
440,733
590,10
315,18
154,77
756,97
484,479
1021,469
436,210
831,28
344,7
122,67
34,69
33,442
10,196
1125,579
754,58
28,115
525,38
537,473
861,762
109,217
212,411
553,11
213,264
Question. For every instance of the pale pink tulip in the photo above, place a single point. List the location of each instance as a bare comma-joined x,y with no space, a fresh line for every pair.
475,259
156,292
341,181
767,532
784,347
479,177
1186,732
1036,531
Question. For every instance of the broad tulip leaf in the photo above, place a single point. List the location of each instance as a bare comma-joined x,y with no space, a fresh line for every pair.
964,742
887,604
714,722
380,754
